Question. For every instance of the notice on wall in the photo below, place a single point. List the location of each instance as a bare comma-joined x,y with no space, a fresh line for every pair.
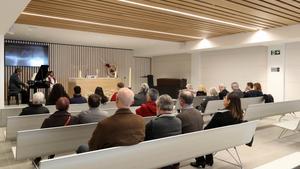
275,69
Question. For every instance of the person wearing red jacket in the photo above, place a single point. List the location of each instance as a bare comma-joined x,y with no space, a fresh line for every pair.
149,108
120,85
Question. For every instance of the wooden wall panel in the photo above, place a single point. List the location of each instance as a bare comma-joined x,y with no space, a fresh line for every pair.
67,60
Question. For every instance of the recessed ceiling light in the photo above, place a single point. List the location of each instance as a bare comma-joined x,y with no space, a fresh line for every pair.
191,15
109,25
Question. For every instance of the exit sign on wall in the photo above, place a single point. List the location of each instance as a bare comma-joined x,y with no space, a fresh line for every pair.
275,52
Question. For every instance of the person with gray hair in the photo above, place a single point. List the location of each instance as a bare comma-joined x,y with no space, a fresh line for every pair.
141,97
36,106
149,108
236,88
222,91
165,124
190,117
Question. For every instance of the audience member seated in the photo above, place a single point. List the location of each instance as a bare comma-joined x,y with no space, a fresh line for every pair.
77,98
190,88
166,124
141,97
120,85
60,118
57,91
257,92
149,108
36,107
100,93
201,91
124,128
213,96
191,118
249,87
94,114
232,114
236,88
223,92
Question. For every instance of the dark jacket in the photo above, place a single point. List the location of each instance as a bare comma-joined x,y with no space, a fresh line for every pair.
139,99
223,93
205,101
15,84
164,125
78,99
59,118
201,93
191,120
121,129
147,109
253,93
104,99
222,118
239,93
33,109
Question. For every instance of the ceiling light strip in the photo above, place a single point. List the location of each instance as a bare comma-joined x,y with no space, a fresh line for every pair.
109,25
190,15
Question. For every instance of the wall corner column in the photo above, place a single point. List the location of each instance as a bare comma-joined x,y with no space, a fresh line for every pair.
196,75
1,71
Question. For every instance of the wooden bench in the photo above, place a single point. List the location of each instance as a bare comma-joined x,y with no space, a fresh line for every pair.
19,123
42,142
16,110
259,111
160,152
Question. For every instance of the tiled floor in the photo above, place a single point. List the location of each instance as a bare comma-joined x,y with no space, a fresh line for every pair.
266,147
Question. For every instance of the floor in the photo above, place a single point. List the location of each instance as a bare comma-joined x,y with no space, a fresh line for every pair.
266,148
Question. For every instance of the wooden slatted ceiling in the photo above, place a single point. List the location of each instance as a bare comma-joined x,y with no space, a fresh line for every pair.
253,13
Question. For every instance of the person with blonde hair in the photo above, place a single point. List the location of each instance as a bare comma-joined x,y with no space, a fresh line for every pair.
213,96
36,107
201,90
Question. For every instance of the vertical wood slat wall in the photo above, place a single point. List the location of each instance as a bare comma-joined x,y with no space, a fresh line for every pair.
67,60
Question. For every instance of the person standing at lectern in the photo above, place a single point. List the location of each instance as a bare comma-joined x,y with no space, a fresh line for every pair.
14,87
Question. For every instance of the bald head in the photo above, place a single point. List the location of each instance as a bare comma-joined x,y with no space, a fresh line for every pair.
125,98
62,104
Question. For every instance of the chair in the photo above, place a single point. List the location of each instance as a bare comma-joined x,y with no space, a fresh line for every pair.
16,95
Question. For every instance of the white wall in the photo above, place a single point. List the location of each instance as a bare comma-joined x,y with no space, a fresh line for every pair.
241,65
1,71
172,66
292,71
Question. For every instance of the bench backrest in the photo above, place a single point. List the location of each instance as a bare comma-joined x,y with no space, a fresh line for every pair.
198,100
213,106
29,122
258,111
245,102
160,152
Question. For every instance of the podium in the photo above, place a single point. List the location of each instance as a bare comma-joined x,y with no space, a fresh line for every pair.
88,85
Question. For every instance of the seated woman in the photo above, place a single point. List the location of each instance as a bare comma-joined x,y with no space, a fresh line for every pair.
57,91
60,118
256,92
100,93
120,85
213,96
201,91
141,97
232,114
36,107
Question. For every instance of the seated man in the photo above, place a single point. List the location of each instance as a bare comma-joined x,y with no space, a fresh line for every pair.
190,117
149,108
77,98
124,128
236,88
166,124
94,114
36,107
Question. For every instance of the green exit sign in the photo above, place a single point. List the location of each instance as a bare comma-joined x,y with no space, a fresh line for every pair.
275,52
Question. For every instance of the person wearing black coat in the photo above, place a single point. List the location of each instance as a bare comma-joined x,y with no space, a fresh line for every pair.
256,92
36,107
232,114
223,91
14,86
60,118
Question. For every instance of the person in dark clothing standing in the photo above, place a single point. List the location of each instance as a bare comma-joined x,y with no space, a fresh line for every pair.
60,118
77,98
232,114
14,86
165,124
36,107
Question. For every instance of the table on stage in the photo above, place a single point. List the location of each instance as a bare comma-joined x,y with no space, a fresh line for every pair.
88,85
